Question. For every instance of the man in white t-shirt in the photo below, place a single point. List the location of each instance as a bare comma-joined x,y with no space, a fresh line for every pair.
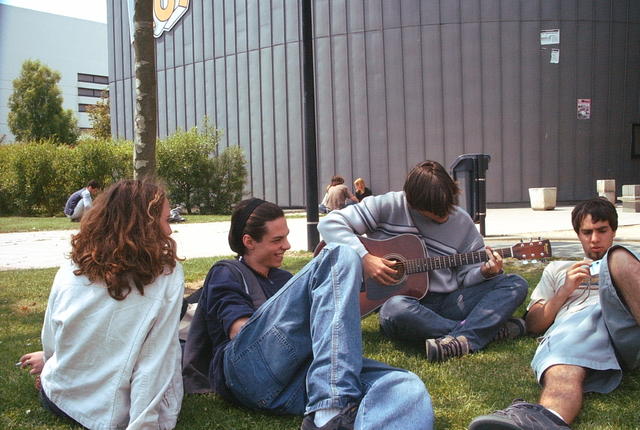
589,312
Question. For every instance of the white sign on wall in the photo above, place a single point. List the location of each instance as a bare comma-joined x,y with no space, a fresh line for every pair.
550,37
166,13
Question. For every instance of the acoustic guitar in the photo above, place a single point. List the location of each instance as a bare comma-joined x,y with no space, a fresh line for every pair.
413,263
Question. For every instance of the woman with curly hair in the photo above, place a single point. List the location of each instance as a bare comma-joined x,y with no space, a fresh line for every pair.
111,354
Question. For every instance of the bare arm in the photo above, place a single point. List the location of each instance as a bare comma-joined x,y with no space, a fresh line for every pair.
542,314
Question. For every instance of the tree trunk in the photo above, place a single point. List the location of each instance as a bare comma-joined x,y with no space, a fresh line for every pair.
144,154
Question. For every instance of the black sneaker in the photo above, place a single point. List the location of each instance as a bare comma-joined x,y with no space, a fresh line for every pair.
343,421
512,328
520,416
446,347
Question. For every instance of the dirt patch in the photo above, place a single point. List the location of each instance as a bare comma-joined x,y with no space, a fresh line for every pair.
26,308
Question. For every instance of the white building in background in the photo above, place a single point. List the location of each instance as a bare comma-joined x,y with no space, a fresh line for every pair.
75,48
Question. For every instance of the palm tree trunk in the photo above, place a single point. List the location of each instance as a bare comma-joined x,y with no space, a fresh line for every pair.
144,154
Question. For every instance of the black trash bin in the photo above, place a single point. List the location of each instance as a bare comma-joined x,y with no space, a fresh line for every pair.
469,170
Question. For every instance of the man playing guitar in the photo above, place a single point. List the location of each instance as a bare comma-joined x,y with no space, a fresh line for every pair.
467,306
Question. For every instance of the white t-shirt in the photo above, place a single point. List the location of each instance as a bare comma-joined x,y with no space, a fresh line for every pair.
553,277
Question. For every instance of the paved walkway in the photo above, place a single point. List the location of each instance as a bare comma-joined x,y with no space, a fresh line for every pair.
504,228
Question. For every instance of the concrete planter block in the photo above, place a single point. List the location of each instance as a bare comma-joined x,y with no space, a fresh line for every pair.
631,191
607,189
609,195
606,186
543,199
630,205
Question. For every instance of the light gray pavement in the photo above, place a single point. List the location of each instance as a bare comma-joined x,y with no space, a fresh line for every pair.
504,227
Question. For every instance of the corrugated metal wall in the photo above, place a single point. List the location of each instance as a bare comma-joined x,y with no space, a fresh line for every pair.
399,81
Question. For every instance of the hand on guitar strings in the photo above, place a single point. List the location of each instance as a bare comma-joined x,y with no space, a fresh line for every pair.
493,266
379,269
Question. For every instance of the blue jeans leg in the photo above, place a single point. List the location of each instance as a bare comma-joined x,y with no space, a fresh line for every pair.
53,408
393,399
302,349
406,318
475,312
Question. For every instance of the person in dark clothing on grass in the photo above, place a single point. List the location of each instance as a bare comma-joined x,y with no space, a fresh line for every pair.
299,352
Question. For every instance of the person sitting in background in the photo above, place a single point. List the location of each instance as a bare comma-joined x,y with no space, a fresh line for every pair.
111,356
361,189
589,312
338,194
80,201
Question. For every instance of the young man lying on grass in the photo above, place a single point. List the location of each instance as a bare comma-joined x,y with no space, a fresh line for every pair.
589,312
293,345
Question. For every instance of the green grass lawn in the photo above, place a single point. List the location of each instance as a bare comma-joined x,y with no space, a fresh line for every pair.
14,224
460,388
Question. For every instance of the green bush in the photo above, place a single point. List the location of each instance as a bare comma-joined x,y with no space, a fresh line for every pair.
32,180
194,177
7,205
223,187
103,160
37,178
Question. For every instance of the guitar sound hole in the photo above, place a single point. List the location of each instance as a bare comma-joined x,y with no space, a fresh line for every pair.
399,266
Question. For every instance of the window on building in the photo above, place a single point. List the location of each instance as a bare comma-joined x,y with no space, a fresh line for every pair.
95,79
91,92
82,107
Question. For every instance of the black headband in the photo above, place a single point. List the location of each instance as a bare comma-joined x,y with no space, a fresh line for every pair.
241,222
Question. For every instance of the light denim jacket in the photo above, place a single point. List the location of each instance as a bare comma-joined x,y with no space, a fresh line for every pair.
114,364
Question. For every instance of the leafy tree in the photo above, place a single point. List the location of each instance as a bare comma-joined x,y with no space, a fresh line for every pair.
35,107
100,117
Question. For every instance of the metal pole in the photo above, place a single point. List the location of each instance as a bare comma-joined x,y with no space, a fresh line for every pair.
482,163
311,157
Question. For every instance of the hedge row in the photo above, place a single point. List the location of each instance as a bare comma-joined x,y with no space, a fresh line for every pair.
37,178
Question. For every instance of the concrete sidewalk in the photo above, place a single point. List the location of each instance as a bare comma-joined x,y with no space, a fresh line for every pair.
504,227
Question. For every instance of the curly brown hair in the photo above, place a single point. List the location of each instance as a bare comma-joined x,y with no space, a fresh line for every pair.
121,241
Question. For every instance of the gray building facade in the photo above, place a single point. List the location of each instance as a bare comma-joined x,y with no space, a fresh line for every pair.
76,48
550,89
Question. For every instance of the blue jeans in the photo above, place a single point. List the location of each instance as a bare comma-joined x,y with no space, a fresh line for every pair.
51,407
302,351
475,312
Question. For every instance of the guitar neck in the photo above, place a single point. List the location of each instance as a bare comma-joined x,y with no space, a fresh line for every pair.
425,264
